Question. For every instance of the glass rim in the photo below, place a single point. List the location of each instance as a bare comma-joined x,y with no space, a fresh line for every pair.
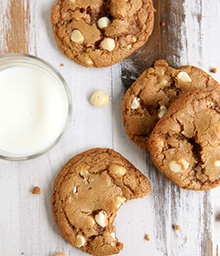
34,61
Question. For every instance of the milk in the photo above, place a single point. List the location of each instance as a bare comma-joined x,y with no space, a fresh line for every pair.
33,110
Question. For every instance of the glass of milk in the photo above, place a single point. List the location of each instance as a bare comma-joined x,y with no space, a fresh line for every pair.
35,106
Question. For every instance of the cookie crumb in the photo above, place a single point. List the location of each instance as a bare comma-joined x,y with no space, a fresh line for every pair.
61,64
218,217
176,227
213,70
60,254
36,190
147,237
162,23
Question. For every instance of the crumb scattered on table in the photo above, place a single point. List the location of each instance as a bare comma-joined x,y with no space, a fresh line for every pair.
60,254
176,227
218,217
147,237
162,23
213,70
61,64
36,190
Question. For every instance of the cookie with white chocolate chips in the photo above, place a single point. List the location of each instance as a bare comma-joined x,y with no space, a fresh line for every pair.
149,97
87,194
185,143
99,33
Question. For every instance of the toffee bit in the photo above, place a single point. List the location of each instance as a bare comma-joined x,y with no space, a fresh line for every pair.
218,217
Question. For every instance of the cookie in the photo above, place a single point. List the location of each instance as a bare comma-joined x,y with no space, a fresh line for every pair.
185,143
99,33
87,194
149,97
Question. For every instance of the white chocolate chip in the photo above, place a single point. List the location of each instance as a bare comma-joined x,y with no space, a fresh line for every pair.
175,167
103,22
135,103
162,111
99,98
77,37
183,76
117,170
75,190
113,235
80,241
217,163
119,201
89,62
178,167
101,219
108,44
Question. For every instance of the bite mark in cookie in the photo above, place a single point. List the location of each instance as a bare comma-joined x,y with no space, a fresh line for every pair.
87,194
99,33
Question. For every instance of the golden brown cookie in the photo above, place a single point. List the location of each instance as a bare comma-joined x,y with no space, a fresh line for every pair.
98,33
185,143
149,97
87,193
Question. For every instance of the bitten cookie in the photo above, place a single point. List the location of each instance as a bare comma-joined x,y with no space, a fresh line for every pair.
87,193
185,143
149,97
98,33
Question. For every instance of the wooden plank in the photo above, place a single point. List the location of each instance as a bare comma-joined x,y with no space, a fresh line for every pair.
189,36
180,41
15,28
164,43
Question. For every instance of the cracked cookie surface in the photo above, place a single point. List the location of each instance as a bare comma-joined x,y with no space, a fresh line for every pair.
185,143
149,97
87,194
99,33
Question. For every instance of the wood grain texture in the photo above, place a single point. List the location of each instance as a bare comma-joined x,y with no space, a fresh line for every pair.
26,225
180,41
164,43
15,26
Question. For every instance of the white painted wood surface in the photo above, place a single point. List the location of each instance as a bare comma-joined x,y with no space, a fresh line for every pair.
26,223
